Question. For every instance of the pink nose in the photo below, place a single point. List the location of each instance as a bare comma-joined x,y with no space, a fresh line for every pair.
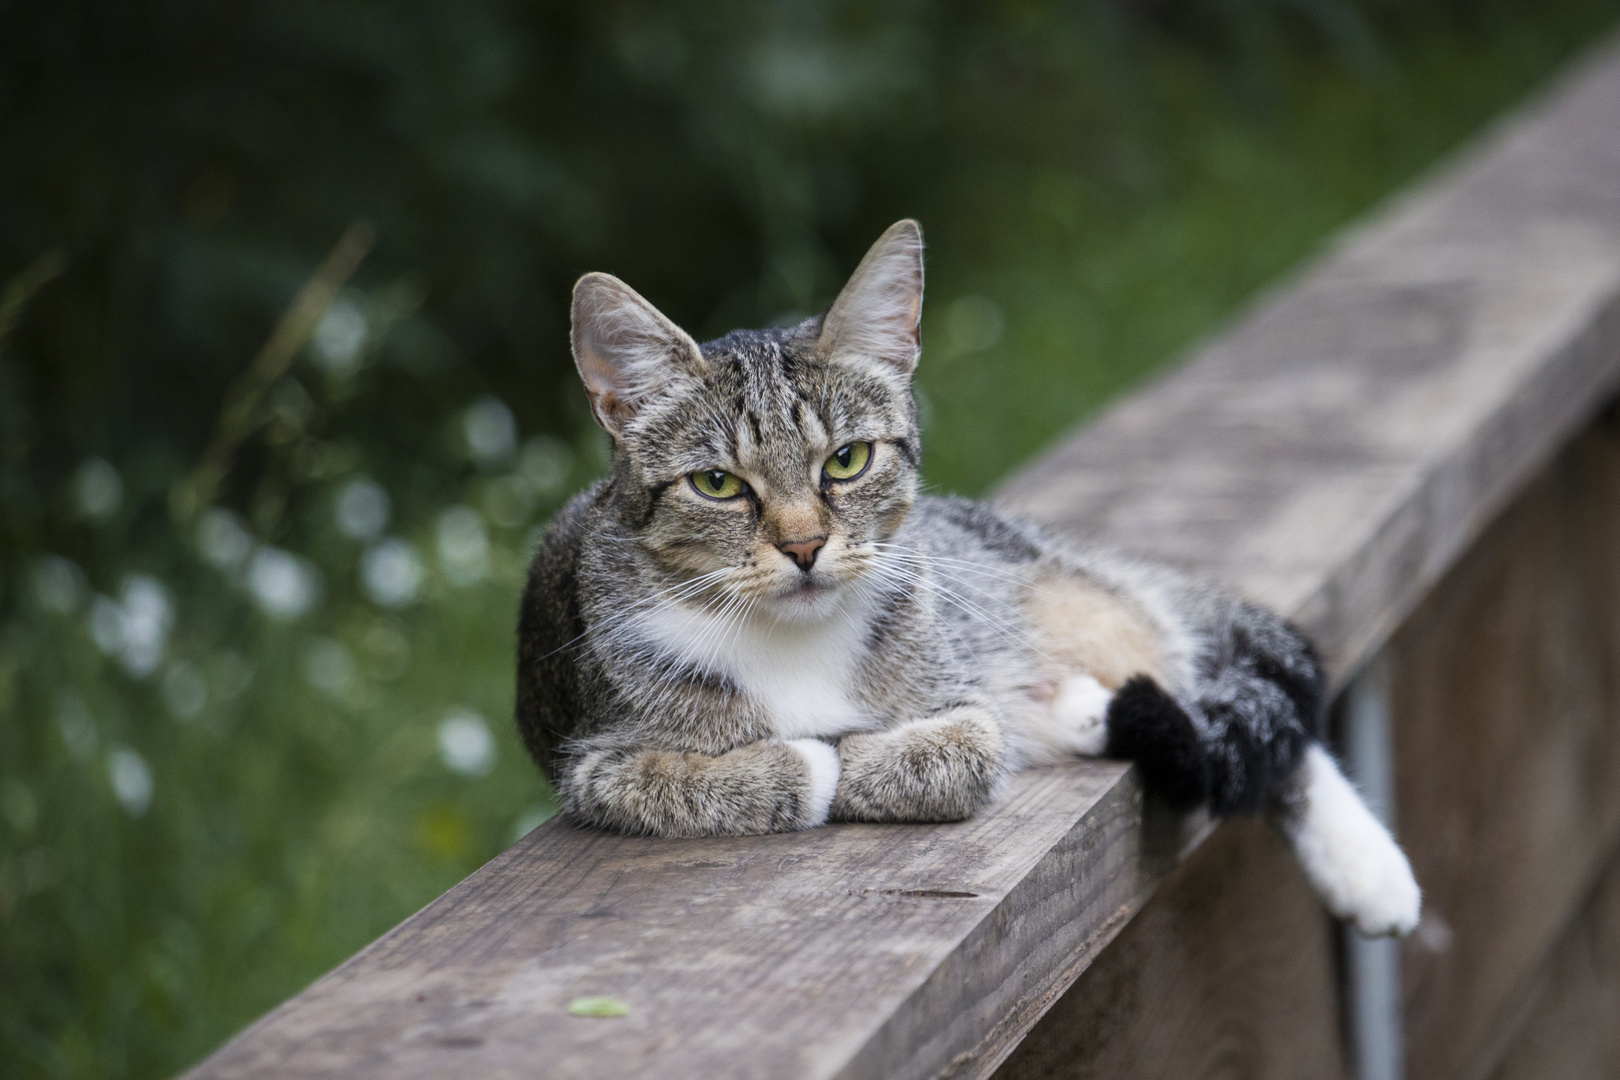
803,552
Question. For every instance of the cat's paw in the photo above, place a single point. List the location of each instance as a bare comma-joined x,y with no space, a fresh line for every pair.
1080,715
1357,868
825,768
1394,905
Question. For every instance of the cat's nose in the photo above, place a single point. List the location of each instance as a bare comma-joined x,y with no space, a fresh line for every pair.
803,552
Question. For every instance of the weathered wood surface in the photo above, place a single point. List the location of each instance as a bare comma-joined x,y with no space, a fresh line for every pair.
738,957
1227,972
1505,699
1571,1029
1331,456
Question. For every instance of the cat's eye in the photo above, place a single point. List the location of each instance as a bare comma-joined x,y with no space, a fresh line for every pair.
718,484
848,461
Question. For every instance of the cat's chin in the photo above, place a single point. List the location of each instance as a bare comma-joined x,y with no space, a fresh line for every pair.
805,601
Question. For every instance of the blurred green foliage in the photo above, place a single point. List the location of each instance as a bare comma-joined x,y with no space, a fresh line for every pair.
238,741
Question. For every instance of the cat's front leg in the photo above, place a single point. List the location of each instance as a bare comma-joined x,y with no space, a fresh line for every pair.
759,788
943,767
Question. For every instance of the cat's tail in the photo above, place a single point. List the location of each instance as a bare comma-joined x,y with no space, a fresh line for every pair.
1250,741
1352,861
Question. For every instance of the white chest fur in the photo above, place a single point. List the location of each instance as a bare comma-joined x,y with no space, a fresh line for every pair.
800,673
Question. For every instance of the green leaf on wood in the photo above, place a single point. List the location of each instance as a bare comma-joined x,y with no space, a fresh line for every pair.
598,1006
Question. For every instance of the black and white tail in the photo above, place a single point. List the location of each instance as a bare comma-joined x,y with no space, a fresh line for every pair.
1251,740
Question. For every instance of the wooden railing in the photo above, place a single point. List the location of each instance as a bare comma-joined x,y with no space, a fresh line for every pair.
1404,449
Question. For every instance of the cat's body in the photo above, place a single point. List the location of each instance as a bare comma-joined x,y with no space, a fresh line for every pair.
755,624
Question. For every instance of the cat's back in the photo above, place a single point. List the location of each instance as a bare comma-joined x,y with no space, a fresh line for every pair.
549,626
977,564
1014,590
949,527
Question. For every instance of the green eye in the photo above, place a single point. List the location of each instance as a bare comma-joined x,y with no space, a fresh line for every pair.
718,484
848,461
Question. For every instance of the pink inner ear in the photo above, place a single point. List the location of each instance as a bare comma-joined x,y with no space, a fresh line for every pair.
626,350
610,407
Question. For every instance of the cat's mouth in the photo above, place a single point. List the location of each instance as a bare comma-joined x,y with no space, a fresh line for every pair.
807,597
808,588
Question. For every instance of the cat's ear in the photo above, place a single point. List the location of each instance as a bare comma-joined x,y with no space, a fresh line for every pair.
875,320
626,350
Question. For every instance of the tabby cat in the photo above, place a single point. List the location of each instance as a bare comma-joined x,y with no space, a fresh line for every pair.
755,623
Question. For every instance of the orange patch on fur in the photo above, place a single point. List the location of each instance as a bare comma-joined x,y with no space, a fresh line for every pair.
1087,629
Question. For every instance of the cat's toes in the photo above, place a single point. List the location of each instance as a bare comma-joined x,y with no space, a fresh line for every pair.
1081,713
1392,905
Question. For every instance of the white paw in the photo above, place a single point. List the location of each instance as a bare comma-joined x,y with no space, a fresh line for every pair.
1355,865
825,768
1080,712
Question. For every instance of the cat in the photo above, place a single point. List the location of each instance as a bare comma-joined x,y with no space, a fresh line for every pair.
756,623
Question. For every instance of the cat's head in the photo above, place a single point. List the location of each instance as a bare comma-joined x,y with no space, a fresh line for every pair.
777,461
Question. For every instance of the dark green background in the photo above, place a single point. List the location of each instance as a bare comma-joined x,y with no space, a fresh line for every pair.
1099,183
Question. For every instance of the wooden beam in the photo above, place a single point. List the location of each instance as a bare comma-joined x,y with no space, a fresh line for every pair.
1330,456
758,956
1227,972
1568,1030
1506,704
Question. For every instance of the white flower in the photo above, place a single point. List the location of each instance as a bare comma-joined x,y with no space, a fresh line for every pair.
98,489
491,430
131,780
148,617
362,509
58,584
223,540
107,625
329,667
465,744
136,631
284,585
391,572
463,545
339,337
185,691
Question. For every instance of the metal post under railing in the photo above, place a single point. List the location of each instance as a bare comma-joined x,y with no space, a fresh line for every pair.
1373,965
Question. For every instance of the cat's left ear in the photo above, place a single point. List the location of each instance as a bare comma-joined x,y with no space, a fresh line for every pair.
627,351
876,319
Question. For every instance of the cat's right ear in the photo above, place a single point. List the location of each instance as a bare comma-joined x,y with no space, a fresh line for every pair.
626,350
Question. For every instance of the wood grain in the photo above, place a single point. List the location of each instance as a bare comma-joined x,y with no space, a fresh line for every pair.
1569,1031
1506,709
1332,456
1228,971
738,957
